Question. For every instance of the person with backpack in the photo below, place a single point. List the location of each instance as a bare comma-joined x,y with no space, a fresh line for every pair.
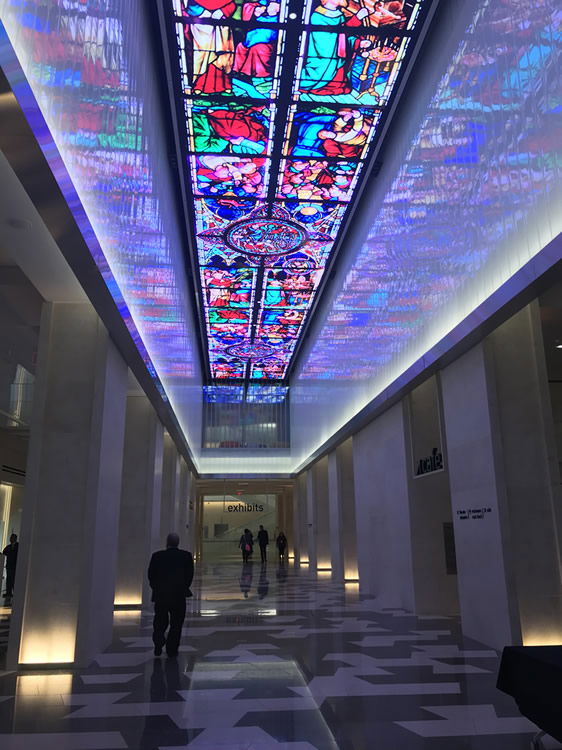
246,544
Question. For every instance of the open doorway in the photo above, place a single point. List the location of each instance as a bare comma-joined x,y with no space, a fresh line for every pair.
226,516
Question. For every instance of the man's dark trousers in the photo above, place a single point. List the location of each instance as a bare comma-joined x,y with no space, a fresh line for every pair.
10,577
263,552
172,614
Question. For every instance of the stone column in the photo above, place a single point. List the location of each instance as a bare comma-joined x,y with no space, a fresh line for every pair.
300,522
502,472
319,514
289,521
532,478
183,519
190,511
279,515
294,548
63,606
284,517
139,521
169,507
335,510
310,490
382,512
435,580
199,526
347,511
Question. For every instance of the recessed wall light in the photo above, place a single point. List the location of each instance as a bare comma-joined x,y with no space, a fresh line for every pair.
292,16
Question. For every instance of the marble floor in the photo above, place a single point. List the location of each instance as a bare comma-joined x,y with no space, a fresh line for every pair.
272,658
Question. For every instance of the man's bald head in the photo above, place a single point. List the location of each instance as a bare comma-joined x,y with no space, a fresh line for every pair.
172,540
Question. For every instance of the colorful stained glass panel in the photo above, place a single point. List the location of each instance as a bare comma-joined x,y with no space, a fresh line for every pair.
225,334
233,129
228,316
224,395
228,278
230,60
280,120
259,394
217,9
353,70
399,14
325,216
331,132
225,368
317,179
234,176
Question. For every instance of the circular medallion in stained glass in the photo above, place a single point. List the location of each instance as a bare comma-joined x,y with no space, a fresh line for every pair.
248,350
299,266
265,236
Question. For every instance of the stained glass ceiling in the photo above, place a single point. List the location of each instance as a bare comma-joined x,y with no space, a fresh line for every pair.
281,105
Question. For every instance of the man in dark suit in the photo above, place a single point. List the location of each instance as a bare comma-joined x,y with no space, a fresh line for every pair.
263,539
11,554
170,574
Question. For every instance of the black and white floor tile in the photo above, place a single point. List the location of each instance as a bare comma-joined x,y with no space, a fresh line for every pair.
299,664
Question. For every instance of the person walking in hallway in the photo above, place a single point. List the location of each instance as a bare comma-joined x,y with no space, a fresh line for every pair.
281,543
246,544
170,574
10,552
263,541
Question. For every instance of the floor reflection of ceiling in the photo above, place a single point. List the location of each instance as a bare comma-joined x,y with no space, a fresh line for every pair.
281,107
268,673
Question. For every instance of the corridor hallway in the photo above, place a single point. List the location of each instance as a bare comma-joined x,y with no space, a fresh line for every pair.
301,663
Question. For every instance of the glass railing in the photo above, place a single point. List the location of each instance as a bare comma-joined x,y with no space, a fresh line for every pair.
15,407
242,418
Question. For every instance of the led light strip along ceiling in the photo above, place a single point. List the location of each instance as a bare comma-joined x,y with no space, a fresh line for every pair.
282,107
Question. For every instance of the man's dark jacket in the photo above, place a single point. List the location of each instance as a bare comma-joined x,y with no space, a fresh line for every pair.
11,554
170,574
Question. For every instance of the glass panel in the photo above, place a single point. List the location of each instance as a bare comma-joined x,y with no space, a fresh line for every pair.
229,175
313,179
230,60
349,69
232,129
331,132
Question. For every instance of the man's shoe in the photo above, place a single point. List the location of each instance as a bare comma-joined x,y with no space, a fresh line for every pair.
157,650
172,654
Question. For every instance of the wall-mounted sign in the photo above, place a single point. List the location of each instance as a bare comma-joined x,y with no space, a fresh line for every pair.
467,514
431,463
245,508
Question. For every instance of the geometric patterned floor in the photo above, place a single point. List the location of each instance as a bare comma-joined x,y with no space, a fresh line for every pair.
272,658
